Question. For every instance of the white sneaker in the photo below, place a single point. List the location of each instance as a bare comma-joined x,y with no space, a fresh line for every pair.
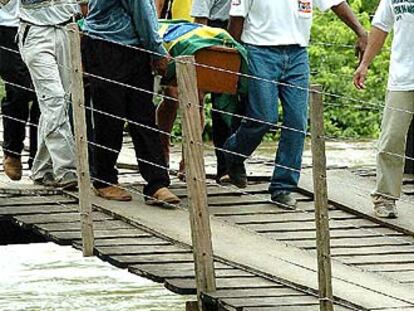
385,207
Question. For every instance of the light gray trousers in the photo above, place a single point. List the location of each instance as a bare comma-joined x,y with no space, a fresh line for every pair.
45,50
396,122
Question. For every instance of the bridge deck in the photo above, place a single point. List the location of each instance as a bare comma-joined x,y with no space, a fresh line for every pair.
265,256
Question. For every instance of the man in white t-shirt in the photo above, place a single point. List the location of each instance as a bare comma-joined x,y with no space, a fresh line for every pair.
276,34
399,109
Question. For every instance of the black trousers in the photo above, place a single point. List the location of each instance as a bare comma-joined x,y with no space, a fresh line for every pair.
16,104
130,67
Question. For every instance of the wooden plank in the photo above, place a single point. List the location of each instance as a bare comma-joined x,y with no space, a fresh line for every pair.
222,211
225,200
322,216
401,276
125,261
57,218
390,267
36,200
282,217
188,286
37,209
314,307
75,226
358,242
275,302
296,308
310,226
140,249
158,273
257,208
214,190
278,291
380,250
195,175
335,234
69,236
378,259
81,139
129,241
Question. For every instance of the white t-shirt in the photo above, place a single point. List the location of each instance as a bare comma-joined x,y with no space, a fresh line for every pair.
9,14
278,22
399,15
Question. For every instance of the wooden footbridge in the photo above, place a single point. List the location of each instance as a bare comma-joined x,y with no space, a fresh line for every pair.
264,255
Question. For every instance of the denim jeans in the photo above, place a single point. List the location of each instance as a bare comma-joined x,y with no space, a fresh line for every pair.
288,66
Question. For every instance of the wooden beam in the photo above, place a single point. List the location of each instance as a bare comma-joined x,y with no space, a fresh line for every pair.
321,200
81,141
195,176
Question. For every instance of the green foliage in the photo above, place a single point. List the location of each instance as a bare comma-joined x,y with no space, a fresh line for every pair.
354,113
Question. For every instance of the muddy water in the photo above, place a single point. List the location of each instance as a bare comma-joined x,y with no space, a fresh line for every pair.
47,277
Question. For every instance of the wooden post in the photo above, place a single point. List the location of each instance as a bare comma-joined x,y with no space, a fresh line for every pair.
195,176
321,199
81,141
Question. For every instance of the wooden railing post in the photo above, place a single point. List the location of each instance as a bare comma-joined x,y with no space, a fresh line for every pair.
195,175
81,141
321,199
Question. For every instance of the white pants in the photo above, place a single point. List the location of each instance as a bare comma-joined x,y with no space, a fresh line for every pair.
45,50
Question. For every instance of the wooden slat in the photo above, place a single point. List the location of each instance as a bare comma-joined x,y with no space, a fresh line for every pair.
358,242
33,200
282,217
159,273
335,233
257,208
235,200
188,287
380,250
138,250
271,301
125,261
57,218
378,259
285,308
401,276
37,209
310,226
390,267
279,291
129,241
108,224
69,236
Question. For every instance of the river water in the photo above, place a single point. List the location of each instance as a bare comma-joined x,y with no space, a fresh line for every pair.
46,276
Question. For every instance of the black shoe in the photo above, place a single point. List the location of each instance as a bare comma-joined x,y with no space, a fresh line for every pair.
47,180
68,181
285,200
237,176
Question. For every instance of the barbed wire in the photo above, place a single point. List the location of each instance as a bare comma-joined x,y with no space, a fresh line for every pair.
245,193
166,203
218,69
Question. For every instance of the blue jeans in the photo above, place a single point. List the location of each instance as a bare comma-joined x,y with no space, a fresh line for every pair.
287,65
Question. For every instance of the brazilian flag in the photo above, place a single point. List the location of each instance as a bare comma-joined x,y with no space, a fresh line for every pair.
184,38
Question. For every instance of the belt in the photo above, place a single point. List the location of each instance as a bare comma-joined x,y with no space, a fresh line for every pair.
70,20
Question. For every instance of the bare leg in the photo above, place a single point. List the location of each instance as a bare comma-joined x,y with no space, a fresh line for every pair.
166,115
